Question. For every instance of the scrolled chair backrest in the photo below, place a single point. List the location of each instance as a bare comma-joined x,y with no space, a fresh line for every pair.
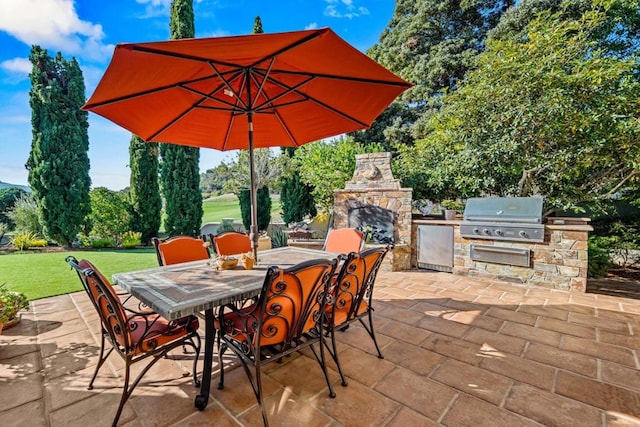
290,305
180,249
352,290
105,300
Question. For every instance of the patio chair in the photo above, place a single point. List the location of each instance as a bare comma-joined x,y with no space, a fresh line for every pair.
286,318
344,240
135,336
231,243
352,296
179,249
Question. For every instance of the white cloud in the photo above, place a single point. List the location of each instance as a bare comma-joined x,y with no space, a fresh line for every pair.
344,9
155,7
53,24
17,68
311,26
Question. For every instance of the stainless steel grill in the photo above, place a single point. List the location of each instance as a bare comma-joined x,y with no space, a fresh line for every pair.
503,218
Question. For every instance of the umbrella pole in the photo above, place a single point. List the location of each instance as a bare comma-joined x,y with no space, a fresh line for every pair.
253,232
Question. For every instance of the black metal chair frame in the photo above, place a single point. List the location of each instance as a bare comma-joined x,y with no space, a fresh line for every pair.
352,287
266,320
121,318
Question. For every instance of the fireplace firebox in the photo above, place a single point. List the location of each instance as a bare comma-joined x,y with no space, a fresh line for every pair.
375,222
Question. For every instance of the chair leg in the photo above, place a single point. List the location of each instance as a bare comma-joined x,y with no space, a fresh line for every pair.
125,393
257,389
371,332
334,355
101,361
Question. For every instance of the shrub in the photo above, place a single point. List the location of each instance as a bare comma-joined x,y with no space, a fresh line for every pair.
599,256
101,242
38,243
24,240
10,303
131,239
279,239
3,230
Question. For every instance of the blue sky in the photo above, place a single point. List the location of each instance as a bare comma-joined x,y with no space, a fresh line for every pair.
88,30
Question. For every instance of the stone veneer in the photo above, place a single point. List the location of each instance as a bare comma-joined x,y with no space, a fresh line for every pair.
373,184
560,262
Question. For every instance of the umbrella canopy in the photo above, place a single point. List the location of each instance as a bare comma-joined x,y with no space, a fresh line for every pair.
244,92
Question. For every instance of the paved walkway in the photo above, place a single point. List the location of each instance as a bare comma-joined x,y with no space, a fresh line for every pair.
458,352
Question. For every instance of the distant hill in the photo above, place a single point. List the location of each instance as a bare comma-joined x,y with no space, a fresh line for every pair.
7,185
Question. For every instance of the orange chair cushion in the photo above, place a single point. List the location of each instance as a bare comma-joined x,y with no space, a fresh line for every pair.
344,240
160,333
182,249
232,244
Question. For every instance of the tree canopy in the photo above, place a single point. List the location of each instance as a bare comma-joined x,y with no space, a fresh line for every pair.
432,44
328,165
553,112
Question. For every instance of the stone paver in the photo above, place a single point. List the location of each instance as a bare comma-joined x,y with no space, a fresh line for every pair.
459,351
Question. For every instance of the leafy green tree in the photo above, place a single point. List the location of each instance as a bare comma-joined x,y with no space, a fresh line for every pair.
180,167
8,198
24,215
214,180
552,113
327,166
146,203
58,163
109,215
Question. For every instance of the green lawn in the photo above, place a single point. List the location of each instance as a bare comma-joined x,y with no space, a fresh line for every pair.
227,206
40,275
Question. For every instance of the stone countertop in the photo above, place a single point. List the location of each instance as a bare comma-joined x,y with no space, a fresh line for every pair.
436,221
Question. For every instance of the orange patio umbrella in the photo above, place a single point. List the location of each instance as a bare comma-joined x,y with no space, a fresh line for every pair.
244,92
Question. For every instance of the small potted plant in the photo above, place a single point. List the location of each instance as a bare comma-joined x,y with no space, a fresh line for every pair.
10,304
450,208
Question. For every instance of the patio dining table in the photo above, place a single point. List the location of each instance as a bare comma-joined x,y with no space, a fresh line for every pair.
179,290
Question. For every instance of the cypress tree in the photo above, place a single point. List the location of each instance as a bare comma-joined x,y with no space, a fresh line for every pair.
295,196
58,163
180,167
264,201
144,193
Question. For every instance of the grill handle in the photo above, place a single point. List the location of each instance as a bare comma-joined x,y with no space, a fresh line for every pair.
498,218
501,250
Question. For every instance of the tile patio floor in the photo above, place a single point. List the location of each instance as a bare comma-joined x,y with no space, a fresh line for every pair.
459,351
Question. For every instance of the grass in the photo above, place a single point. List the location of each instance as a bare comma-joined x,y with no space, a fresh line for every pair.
227,206
40,275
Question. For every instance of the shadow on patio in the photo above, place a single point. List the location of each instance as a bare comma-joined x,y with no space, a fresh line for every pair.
459,351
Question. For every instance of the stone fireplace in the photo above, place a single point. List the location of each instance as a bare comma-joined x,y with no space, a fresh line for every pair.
374,201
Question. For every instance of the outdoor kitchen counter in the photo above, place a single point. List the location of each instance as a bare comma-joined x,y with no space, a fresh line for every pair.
436,221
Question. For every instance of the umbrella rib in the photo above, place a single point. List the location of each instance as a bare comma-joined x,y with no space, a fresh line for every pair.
228,86
143,93
293,89
340,77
